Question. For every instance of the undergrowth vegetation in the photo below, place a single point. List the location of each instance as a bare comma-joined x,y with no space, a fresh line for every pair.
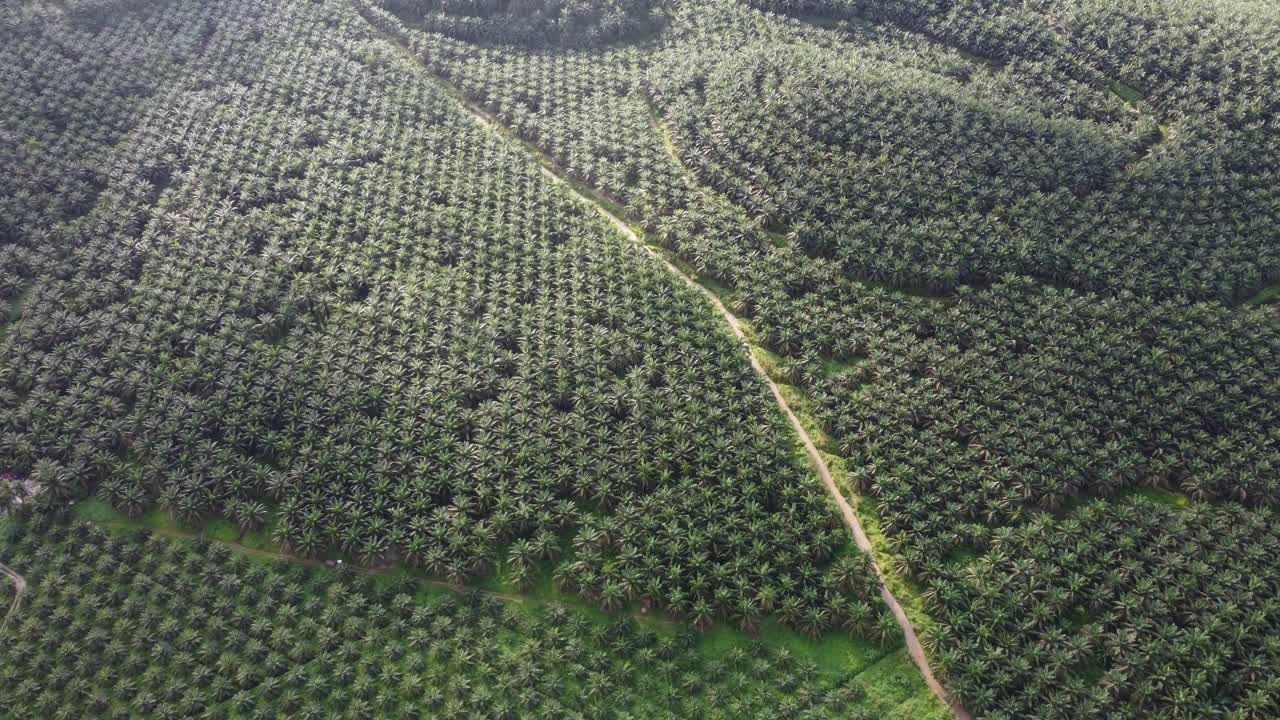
259,266
1005,274
1098,144
135,625
327,288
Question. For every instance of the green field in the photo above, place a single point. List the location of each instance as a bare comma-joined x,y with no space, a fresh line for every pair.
640,359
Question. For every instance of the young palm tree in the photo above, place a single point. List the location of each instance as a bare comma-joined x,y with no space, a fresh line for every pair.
249,516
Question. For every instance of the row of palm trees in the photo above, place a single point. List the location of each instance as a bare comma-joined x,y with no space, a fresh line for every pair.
938,183
973,410
453,341
1121,609
1017,398
348,301
120,626
1016,403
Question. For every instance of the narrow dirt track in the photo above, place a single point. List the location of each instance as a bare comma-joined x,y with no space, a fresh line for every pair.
601,205
19,587
846,510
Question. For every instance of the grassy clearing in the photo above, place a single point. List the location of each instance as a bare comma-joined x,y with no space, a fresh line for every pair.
835,654
961,557
100,512
894,690
776,238
1266,296
227,531
668,142
470,651
1168,498
845,21
1127,93
894,687
14,310
832,367
257,546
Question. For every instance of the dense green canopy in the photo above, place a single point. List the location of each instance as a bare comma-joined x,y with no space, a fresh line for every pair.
259,263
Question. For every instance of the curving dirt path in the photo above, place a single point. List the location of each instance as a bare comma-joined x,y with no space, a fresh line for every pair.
850,518
19,587
602,205
847,513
